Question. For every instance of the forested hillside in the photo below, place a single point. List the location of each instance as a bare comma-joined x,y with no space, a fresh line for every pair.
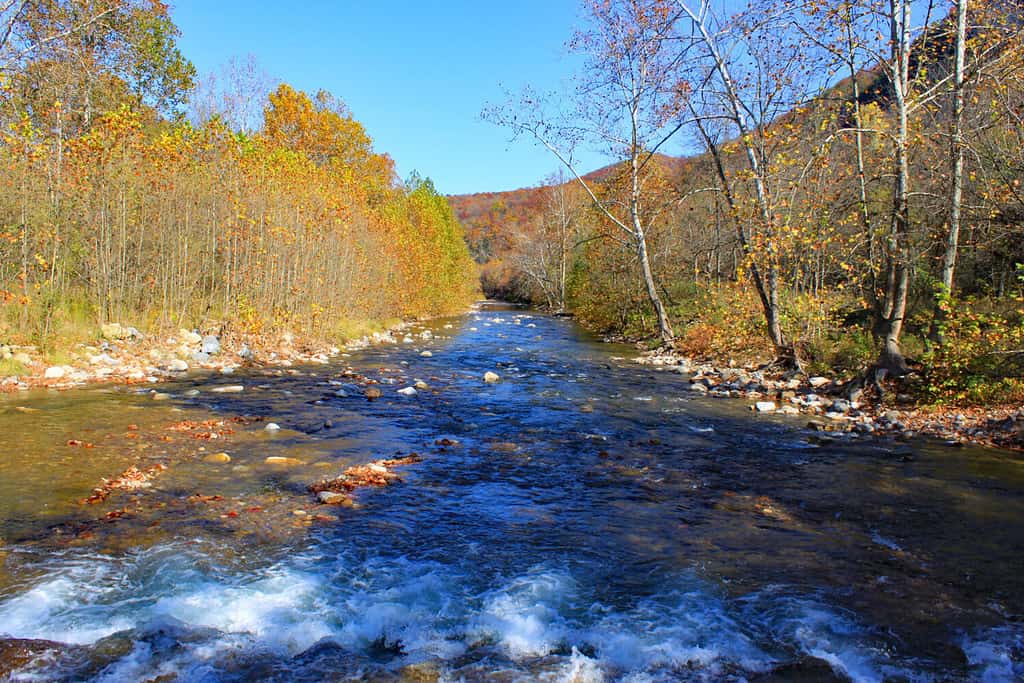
857,202
128,195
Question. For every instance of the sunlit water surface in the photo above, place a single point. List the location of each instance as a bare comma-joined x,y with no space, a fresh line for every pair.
594,522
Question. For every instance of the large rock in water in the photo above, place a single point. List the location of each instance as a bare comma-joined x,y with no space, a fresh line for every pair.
491,377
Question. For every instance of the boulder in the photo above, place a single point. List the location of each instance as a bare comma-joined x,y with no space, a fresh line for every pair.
491,377
200,357
421,385
272,427
818,382
765,406
408,391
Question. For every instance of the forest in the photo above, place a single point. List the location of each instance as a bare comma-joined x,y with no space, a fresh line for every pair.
848,196
134,191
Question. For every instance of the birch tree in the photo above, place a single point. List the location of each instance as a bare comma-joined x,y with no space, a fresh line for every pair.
630,101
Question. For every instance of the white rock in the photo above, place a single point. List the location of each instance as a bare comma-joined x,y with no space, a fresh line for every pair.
54,372
426,354
765,406
272,427
229,389
408,391
491,377
177,366
818,382
190,338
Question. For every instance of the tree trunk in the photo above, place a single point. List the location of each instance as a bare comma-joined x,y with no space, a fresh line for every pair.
957,171
891,358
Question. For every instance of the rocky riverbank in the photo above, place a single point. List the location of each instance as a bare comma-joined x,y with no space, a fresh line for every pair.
123,355
833,407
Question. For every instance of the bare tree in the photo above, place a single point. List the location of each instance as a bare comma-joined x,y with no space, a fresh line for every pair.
750,77
629,100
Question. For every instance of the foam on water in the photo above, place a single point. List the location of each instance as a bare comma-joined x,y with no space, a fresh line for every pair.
997,654
187,616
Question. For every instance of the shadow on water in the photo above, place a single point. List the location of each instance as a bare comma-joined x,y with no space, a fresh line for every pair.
584,518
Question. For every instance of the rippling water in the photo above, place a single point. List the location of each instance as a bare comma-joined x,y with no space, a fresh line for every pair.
594,522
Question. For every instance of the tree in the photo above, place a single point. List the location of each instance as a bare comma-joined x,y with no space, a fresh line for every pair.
629,100
751,74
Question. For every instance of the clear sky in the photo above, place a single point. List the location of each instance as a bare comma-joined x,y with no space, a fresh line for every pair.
416,74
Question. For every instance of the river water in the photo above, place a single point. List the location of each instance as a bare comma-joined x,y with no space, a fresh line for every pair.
584,519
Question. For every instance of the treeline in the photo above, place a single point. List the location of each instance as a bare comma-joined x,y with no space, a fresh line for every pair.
116,207
853,199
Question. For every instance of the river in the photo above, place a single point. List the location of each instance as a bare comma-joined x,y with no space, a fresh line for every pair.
583,519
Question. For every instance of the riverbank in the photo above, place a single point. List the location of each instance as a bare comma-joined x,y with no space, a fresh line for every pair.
834,406
123,355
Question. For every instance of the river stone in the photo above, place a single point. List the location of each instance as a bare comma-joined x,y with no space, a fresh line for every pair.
426,354
229,389
272,427
54,372
840,406
372,393
177,365
280,460
190,338
22,358
818,382
408,391
160,396
217,459
200,357
421,385
699,387
332,498
765,406
491,377
211,344
6,353
504,447
114,331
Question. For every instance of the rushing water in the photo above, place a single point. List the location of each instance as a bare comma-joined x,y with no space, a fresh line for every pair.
594,521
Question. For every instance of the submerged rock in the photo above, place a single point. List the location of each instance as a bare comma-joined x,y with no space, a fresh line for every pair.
283,461
217,458
408,391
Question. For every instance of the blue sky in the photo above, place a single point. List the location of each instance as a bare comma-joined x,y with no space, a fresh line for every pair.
415,74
